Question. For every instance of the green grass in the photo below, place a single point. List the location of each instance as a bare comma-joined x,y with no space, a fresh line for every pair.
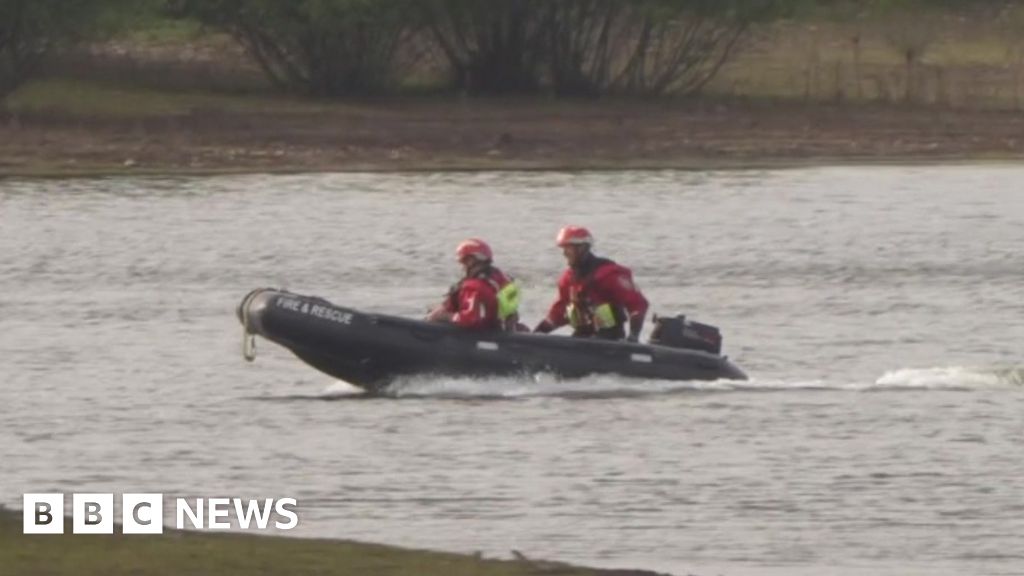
96,99
191,553
966,63
164,31
976,52
86,99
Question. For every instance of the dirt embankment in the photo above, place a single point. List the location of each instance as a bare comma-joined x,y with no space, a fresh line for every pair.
461,134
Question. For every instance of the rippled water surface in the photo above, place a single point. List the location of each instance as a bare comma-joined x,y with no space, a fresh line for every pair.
880,312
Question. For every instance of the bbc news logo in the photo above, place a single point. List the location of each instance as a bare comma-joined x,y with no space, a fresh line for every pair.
144,513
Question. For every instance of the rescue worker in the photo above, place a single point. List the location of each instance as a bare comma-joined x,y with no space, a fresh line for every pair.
596,296
485,298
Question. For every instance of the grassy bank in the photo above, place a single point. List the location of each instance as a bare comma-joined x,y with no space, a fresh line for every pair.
968,59
184,101
191,553
960,62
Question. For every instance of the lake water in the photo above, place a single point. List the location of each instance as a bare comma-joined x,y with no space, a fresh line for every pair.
879,311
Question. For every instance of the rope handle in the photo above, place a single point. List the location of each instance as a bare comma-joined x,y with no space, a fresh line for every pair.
248,337
248,345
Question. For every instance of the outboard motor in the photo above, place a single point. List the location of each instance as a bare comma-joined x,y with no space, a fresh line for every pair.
678,332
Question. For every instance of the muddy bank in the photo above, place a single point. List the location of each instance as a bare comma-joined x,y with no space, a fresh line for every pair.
499,134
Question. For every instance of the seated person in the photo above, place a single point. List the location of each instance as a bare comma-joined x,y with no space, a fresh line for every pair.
485,298
596,296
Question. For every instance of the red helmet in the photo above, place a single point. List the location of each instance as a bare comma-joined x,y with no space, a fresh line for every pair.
574,236
474,247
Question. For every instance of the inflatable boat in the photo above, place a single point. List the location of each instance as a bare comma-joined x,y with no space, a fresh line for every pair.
371,350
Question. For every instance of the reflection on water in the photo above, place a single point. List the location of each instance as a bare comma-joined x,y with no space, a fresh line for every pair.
877,309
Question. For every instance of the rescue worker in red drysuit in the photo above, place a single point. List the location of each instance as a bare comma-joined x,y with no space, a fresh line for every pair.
596,296
485,298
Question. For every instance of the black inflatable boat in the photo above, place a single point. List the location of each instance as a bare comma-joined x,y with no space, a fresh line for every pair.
371,350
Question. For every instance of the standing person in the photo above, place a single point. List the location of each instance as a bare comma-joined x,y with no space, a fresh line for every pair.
596,296
485,298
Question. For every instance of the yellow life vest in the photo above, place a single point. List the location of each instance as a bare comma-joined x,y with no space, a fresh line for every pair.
508,300
602,316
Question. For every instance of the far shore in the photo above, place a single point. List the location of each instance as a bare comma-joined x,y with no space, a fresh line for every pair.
120,132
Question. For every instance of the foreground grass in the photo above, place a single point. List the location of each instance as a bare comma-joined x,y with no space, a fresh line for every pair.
190,553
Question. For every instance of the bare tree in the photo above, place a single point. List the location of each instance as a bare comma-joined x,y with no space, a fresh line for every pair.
492,46
682,54
911,32
584,36
30,29
646,46
322,47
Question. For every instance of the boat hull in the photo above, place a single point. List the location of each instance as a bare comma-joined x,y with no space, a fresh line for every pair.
371,350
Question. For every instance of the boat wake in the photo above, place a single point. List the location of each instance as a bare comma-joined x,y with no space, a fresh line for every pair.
952,377
337,390
603,386
611,386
